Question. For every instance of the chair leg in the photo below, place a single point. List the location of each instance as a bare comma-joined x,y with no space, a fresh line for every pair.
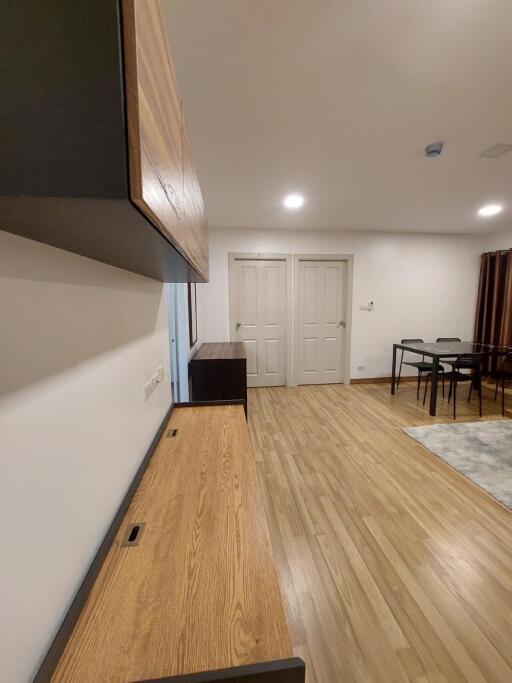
399,371
480,395
470,390
443,383
450,391
497,385
426,387
454,399
503,395
418,386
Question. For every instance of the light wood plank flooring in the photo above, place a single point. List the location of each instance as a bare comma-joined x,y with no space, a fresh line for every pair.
393,566
191,595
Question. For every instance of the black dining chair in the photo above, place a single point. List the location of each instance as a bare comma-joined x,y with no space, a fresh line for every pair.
466,361
448,339
497,355
440,340
423,367
503,375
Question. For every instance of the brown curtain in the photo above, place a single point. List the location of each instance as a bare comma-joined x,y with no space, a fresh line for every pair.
493,320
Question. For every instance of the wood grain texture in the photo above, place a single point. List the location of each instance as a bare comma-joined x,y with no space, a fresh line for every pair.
200,591
394,567
156,135
195,228
220,351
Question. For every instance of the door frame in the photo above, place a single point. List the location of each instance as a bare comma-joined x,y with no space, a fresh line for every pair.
178,341
287,258
348,259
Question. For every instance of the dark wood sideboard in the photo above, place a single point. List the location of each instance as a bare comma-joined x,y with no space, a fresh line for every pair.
218,372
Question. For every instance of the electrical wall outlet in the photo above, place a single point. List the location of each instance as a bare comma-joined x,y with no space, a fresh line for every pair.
360,367
157,378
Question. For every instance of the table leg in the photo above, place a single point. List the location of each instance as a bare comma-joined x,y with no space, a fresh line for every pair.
393,370
433,385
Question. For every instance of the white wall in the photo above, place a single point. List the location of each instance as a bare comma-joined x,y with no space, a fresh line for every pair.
422,285
497,241
78,341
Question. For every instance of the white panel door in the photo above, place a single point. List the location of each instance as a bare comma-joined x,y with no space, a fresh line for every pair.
258,318
320,324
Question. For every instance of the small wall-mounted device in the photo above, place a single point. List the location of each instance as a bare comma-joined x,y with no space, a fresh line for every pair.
368,307
433,150
156,379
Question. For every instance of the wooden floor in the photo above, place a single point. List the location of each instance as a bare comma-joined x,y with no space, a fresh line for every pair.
393,566
200,591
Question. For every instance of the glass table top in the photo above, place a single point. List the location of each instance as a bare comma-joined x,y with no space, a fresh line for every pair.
450,348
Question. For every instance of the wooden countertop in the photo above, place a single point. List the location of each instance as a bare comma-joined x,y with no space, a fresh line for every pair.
200,591
220,351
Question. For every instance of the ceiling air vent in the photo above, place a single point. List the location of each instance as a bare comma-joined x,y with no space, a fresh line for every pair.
496,151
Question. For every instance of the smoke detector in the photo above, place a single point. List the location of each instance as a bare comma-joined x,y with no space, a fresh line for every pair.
433,150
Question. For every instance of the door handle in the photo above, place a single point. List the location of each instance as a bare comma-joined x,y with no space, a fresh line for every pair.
342,324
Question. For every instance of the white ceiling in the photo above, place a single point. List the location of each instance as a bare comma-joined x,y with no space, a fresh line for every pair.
337,99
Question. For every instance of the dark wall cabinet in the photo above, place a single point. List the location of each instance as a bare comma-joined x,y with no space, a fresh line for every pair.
95,155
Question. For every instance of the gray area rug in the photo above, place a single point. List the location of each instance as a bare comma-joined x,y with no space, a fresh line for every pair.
482,451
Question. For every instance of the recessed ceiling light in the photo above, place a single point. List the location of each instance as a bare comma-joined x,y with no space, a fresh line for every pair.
490,210
293,201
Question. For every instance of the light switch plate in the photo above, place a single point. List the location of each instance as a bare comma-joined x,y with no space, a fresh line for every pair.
147,390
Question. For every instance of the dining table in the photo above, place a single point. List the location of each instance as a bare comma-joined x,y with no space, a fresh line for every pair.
439,351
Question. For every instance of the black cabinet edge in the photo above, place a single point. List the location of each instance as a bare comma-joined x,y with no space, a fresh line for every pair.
58,644
196,404
281,671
